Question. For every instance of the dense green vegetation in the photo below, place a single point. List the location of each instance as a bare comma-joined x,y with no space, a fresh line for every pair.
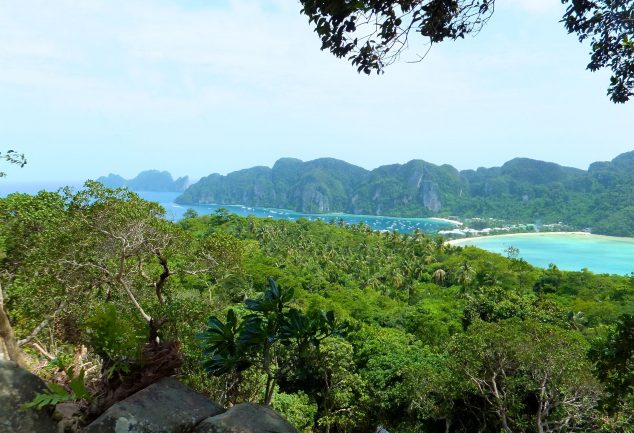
355,329
522,190
149,180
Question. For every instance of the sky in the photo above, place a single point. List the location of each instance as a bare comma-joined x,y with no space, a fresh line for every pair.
195,87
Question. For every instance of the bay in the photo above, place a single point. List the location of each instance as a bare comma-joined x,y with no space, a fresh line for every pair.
569,251
600,254
176,212
382,223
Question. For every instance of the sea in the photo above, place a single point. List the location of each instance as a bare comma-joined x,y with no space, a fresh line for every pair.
573,252
381,223
570,252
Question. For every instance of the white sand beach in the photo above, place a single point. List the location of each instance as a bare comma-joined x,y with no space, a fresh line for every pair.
464,240
458,223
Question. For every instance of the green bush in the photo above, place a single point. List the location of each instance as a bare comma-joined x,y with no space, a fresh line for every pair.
112,336
297,408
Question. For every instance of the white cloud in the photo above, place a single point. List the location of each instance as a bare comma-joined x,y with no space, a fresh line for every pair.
159,58
252,71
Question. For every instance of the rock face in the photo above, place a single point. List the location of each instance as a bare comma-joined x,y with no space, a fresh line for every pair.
68,417
246,418
163,407
18,386
170,407
431,196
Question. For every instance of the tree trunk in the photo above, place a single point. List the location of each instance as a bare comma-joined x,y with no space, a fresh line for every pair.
505,423
270,378
7,336
268,393
4,354
541,412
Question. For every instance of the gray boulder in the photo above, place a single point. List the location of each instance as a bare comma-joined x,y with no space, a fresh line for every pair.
18,386
68,417
246,418
166,406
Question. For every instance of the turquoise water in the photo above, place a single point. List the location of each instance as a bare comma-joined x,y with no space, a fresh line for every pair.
599,254
572,252
175,212
402,225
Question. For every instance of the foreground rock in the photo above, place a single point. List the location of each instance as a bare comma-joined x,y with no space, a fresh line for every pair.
68,417
18,386
246,418
164,407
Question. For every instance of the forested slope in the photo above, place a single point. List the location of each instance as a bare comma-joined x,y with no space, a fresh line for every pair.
522,190
344,329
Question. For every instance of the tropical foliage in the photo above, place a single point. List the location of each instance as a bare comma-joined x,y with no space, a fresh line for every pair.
340,328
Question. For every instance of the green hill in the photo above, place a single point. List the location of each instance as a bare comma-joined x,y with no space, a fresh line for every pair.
526,190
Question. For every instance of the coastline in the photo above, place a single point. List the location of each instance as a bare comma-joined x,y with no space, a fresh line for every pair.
466,240
445,220
321,215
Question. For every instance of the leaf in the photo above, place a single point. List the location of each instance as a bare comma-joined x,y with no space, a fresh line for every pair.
256,305
222,363
78,387
57,389
39,402
273,291
252,332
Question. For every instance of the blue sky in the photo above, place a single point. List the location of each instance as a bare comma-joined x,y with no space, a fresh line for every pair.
194,87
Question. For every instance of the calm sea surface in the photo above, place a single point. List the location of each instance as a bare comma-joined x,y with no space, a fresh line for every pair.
402,225
572,252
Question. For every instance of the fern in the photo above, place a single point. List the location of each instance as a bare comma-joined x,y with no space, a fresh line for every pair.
56,393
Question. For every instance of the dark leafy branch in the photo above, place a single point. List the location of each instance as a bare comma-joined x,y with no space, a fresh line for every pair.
609,26
12,157
372,34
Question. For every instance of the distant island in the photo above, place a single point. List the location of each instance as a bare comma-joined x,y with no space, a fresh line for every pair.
149,180
600,199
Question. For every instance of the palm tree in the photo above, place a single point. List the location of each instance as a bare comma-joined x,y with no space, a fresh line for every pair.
491,279
397,277
440,244
439,276
374,282
466,274
429,259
